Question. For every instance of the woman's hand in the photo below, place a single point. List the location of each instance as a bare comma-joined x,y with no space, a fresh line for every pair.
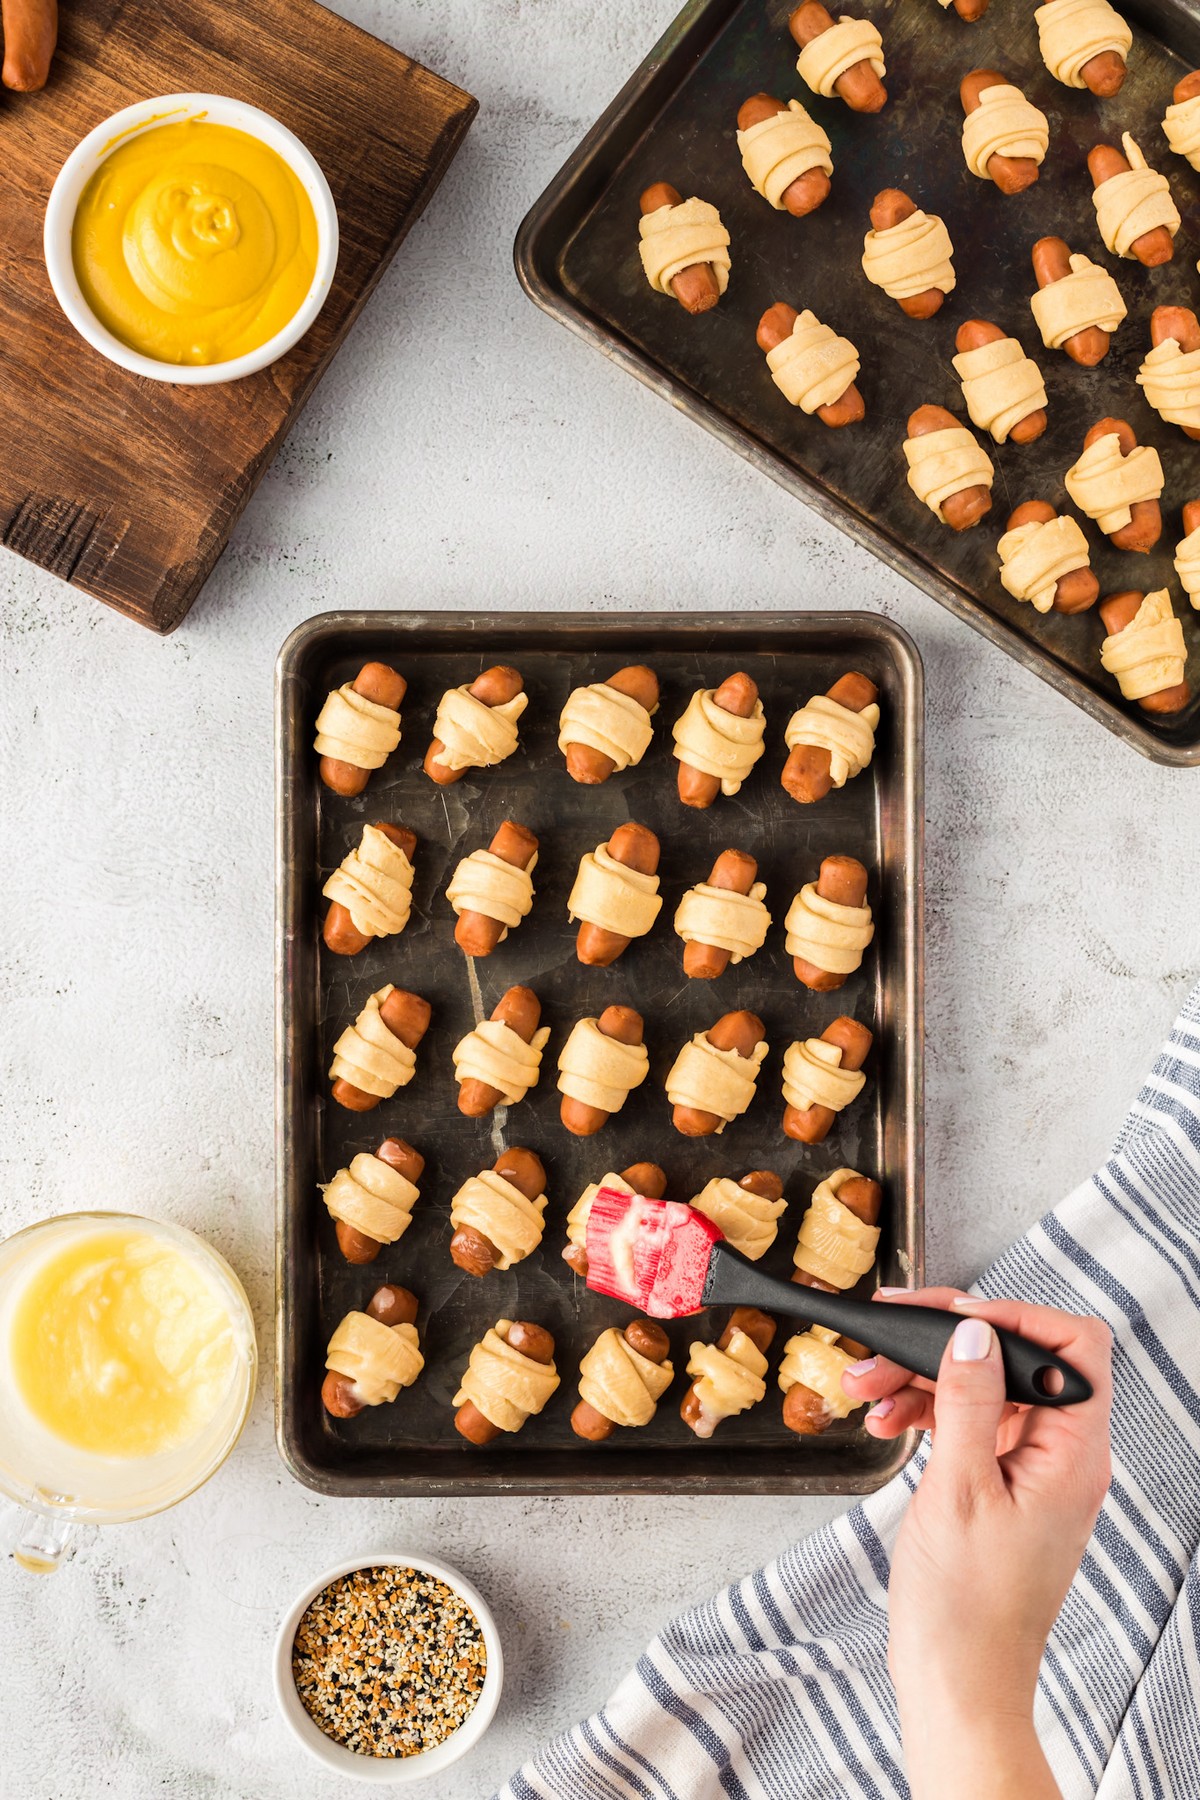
990,1544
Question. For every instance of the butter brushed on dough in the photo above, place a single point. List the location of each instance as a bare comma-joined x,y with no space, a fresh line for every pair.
749,1221
813,1360
377,1359
728,1381
620,1383
834,1245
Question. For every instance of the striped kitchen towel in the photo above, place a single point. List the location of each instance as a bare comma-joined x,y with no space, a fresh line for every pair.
778,1688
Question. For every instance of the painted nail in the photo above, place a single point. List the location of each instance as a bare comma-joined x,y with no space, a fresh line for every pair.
887,1293
972,1340
861,1368
882,1409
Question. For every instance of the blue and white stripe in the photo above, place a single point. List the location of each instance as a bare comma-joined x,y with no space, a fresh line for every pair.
778,1688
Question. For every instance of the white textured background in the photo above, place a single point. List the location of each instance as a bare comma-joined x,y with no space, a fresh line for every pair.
465,450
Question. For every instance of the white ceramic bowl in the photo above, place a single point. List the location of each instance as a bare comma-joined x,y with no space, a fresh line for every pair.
394,1771
81,165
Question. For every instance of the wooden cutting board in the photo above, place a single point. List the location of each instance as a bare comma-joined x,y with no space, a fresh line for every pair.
129,488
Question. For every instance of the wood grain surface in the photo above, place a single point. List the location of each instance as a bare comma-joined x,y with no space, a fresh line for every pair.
129,488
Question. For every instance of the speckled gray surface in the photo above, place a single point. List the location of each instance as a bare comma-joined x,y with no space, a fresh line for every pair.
466,450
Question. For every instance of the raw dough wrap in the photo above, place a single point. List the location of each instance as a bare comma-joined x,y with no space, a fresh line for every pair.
1187,565
485,883
506,1386
814,366
727,1381
597,1070
373,1198
778,150
472,734
500,1212
377,1359
607,894
813,1360
604,719
826,724
1133,202
717,742
813,1076
1004,123
749,1221
355,730
728,921
1087,296
1170,380
827,934
1071,32
945,462
1034,558
1150,654
374,884
834,1245
824,61
369,1056
1000,384
1181,127
675,237
621,1383
499,1057
910,257
714,1081
1106,485
581,1212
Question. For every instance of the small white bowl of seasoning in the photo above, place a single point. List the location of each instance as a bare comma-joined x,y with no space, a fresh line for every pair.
191,238
388,1668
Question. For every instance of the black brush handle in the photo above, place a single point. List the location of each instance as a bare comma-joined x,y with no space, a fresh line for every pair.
913,1336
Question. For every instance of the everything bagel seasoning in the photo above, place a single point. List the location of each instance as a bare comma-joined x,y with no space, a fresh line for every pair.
388,1661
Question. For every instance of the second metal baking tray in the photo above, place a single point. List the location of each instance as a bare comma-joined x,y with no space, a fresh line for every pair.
576,254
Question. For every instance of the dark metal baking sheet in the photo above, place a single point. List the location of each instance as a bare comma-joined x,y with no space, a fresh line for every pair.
411,1447
576,255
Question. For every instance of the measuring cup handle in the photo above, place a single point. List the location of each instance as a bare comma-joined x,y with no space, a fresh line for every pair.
41,1541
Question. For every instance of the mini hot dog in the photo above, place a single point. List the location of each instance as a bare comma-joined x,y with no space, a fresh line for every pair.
956,455
615,895
373,1354
481,1206
1170,375
828,70
1067,33
747,1211
1181,123
998,382
804,1066
478,879
835,727
1187,552
1127,194
379,1056
806,371
640,1178
833,921
628,1384
729,1084
728,1375
374,1196
381,895
729,905
699,285
1030,558
1117,482
513,1394
607,727
1145,650
908,254
358,728
1004,138
477,742
601,1063
718,740
511,1050
30,36
1078,304
768,158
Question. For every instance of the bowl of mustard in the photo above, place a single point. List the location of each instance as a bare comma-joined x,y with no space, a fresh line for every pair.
191,239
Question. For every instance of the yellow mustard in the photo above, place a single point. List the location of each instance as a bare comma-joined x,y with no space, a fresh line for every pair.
194,242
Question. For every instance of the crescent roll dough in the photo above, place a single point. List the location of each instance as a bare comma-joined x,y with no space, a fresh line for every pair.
813,1360
675,237
1106,485
374,884
814,366
1000,384
1071,32
1187,565
369,1057
727,1381
489,1204
1170,379
499,1057
474,735
910,257
616,898
356,730
1150,654
717,742
604,719
621,1383
848,736
1133,202
377,1359
372,1197
728,921
779,150
749,1221
1004,123
824,61
599,1071
714,1081
813,1076
1034,558
1181,127
581,1212
1087,296
827,934
943,463
506,1386
834,1245
484,883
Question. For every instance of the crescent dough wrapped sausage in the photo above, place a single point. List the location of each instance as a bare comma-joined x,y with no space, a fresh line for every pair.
1187,565
373,1198
607,893
1072,32
1034,558
1150,654
714,1081
499,1057
1087,296
725,919
824,60
942,463
474,735
600,1071
727,1381
813,1076
604,719
749,1221
1106,485
1181,127
1000,384
505,1385
675,237
355,730
1134,202
848,736
834,1245
621,1383
826,933
581,1212
484,883
813,1360
1004,123
814,366
718,743
369,1057
374,884
377,1359
910,257
1170,379
778,150
500,1212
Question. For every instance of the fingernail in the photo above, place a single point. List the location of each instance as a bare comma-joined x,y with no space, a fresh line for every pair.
962,1301
882,1408
886,1293
862,1368
972,1340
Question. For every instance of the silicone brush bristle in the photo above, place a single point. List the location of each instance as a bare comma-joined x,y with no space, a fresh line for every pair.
654,1254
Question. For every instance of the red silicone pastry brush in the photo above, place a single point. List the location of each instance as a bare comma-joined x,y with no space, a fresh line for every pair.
668,1261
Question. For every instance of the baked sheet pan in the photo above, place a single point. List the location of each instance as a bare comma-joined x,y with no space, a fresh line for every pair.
411,1447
